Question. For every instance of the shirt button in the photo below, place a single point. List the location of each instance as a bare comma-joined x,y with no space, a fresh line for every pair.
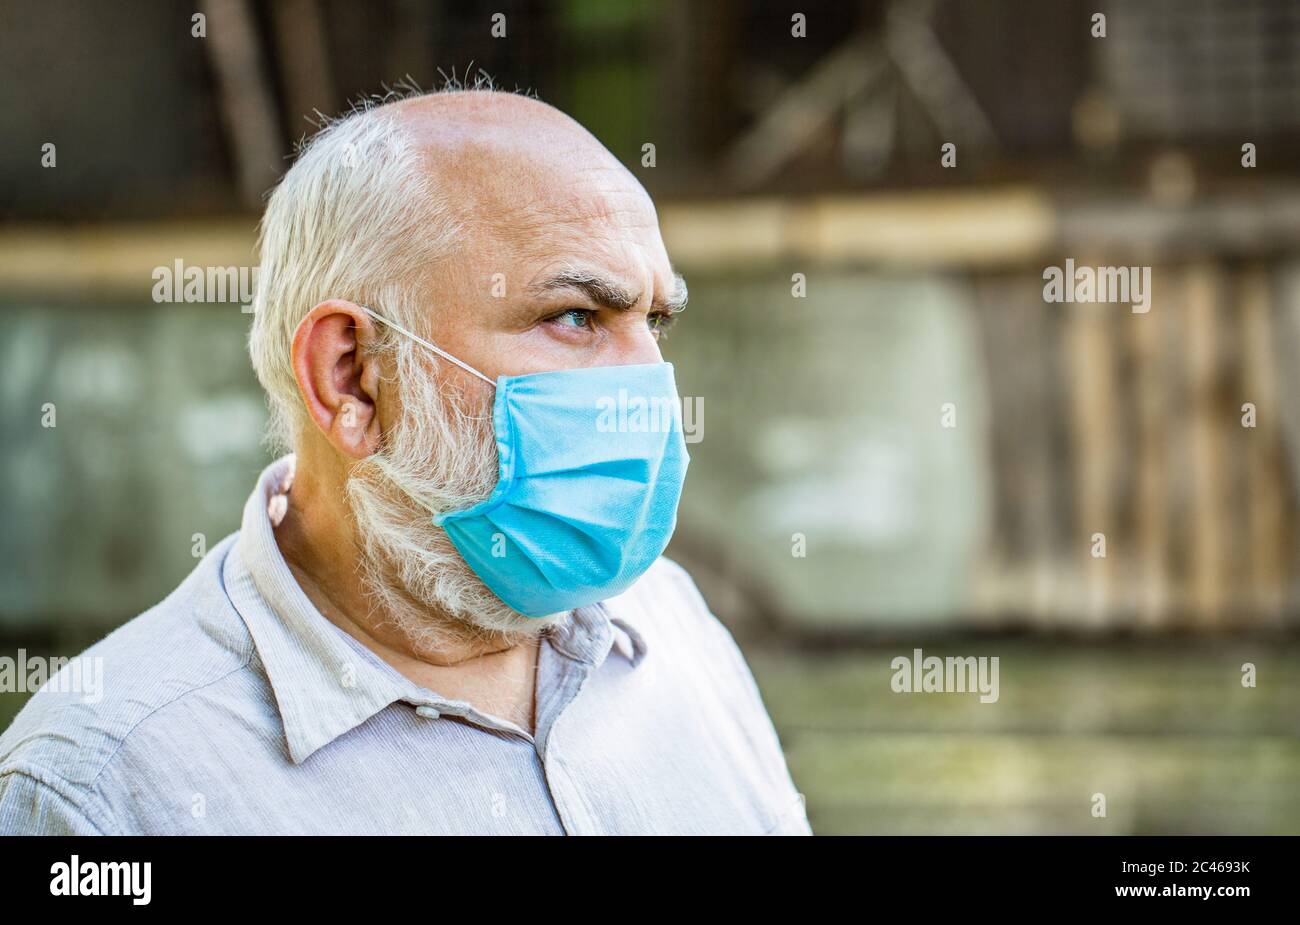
428,712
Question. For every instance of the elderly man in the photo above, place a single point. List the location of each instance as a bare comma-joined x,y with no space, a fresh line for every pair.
447,611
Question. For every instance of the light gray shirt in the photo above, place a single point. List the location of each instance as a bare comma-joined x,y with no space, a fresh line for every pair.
234,707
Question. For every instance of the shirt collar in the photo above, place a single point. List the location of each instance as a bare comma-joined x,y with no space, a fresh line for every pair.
591,633
326,683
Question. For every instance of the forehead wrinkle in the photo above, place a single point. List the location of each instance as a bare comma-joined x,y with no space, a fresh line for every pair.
556,222
574,203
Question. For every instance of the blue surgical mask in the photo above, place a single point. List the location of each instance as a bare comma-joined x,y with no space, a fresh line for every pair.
591,466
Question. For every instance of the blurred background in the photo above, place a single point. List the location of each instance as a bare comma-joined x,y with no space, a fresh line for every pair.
852,298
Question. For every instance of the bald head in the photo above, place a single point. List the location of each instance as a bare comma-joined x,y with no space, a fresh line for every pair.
445,123
489,222
513,167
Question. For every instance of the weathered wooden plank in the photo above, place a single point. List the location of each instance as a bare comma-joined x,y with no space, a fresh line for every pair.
1091,348
1266,489
1152,370
1210,514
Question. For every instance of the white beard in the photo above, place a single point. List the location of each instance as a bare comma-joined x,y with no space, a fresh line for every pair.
437,458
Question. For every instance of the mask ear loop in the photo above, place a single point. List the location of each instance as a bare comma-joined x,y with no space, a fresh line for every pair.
420,340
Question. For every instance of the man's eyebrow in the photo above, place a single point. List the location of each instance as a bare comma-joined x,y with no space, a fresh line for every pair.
608,293
675,301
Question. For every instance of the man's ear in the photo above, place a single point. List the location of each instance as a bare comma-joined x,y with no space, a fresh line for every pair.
338,382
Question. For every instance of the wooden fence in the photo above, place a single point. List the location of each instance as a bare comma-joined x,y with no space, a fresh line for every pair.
1163,432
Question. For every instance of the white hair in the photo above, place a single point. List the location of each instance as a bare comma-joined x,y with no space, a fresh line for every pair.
355,218
439,456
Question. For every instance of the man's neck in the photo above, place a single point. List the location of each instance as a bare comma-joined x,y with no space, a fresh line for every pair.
496,675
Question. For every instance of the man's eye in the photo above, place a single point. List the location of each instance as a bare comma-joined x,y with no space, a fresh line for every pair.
574,318
660,322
